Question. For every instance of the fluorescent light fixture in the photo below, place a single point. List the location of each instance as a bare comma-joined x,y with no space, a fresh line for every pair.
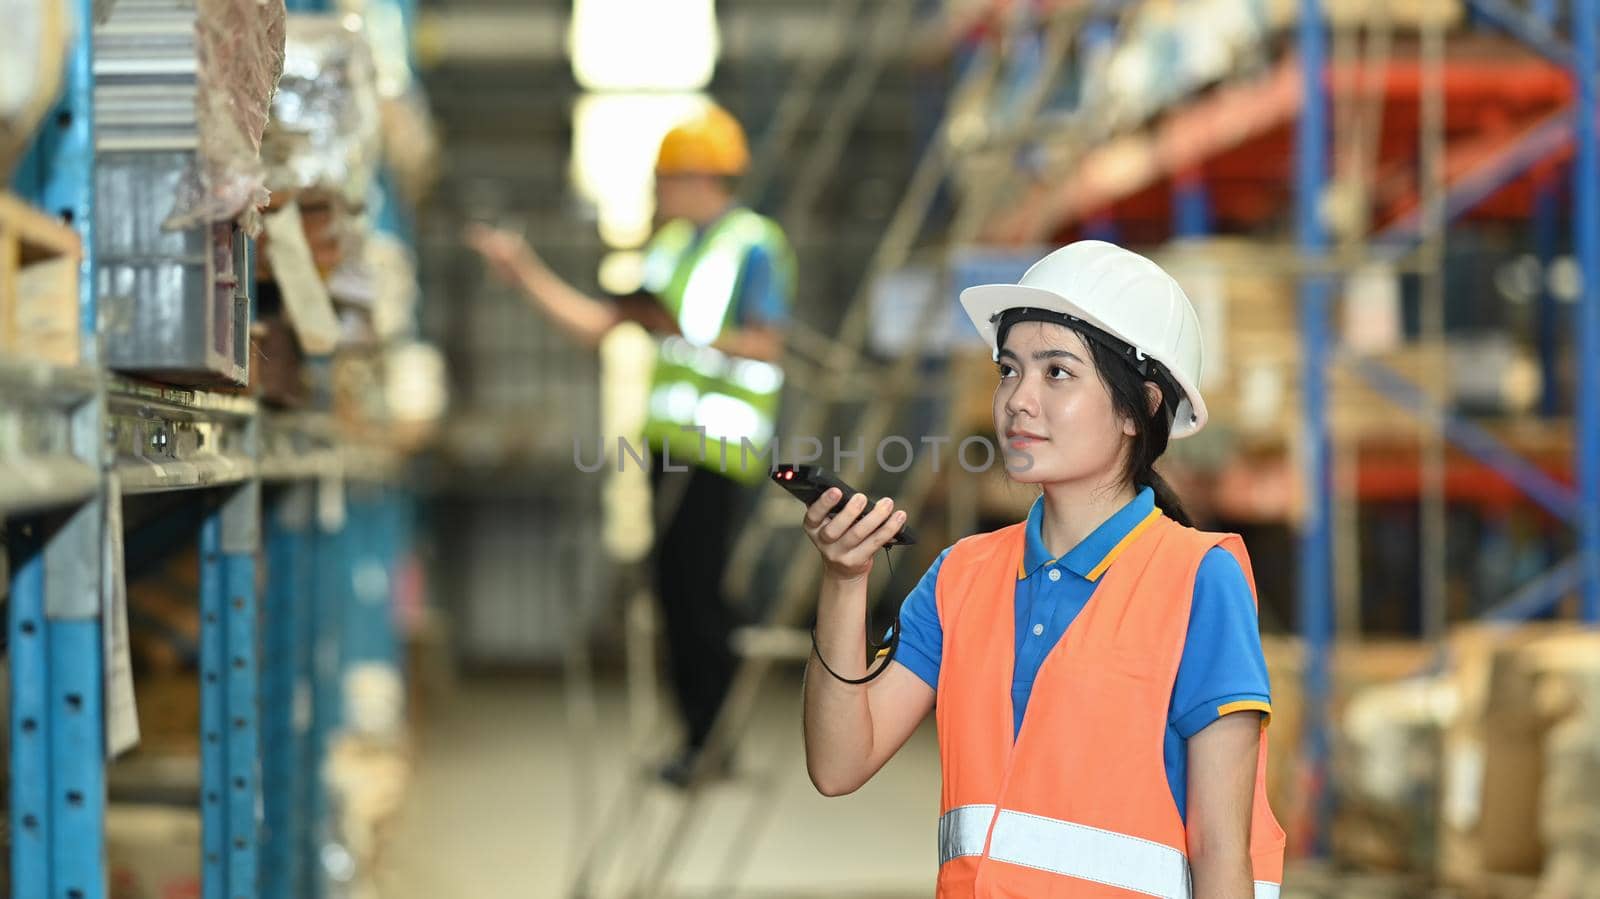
614,143
643,45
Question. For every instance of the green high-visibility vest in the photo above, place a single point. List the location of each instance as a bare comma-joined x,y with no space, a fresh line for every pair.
707,407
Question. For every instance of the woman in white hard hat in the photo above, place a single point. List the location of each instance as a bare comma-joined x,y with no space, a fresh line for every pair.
1096,670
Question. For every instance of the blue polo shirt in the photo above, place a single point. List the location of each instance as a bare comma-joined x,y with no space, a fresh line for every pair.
1222,671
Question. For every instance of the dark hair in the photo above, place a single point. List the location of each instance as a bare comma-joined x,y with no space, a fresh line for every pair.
1150,432
1129,399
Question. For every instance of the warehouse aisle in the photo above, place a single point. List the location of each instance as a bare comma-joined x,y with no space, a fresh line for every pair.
492,809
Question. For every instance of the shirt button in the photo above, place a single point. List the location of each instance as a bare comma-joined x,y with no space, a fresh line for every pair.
1055,574
1038,630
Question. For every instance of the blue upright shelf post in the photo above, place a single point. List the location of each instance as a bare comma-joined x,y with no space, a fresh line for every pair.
230,781
29,648
369,624
241,540
213,714
333,589
57,723
288,523
1316,537
1191,206
306,780
1586,213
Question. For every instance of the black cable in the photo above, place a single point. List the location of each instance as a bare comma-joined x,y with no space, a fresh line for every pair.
886,650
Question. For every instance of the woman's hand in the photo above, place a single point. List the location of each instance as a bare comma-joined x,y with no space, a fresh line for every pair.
849,539
506,252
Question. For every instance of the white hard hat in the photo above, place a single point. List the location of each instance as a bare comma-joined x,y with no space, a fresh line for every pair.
1118,292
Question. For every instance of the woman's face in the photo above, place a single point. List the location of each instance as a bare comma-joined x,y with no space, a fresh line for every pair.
1052,412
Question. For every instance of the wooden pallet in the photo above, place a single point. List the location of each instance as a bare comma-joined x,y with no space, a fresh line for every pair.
39,259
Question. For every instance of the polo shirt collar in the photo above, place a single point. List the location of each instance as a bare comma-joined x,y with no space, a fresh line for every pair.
1095,553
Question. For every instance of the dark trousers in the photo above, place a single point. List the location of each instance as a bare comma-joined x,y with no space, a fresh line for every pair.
692,551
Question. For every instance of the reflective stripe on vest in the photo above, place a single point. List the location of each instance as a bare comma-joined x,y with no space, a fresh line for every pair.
1072,850
963,830
709,290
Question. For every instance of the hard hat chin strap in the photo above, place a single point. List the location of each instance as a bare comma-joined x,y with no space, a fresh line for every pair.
1147,367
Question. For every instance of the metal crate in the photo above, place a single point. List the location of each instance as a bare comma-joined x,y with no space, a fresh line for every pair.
174,304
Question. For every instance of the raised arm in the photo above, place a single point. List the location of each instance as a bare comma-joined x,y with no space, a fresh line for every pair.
584,318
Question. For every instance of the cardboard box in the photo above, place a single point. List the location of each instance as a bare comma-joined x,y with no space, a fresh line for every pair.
1492,757
1353,667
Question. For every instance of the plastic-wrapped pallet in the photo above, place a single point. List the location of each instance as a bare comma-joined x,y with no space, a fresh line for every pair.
321,149
1387,773
324,132
410,140
33,45
1356,667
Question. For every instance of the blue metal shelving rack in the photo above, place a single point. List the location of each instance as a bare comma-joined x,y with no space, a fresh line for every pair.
58,777
1536,28
265,721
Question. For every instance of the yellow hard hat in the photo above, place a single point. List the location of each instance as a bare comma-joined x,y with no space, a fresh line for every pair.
711,143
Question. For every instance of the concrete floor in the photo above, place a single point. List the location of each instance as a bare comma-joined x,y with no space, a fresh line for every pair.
507,791
506,788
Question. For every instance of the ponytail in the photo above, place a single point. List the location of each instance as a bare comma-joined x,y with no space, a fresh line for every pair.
1151,431
1166,498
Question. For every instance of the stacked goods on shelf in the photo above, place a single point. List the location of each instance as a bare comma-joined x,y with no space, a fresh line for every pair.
1479,772
33,46
1468,793
1166,53
39,261
1247,298
1567,699
181,96
1355,668
390,383
341,289
1386,772
1524,764
409,138
321,152
368,768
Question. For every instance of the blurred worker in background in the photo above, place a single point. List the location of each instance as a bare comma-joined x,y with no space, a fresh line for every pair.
1096,671
718,282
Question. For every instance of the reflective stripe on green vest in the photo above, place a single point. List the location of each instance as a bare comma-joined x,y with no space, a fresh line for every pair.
735,400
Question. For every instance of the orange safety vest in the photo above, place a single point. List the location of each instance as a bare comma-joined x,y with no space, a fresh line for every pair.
1077,804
